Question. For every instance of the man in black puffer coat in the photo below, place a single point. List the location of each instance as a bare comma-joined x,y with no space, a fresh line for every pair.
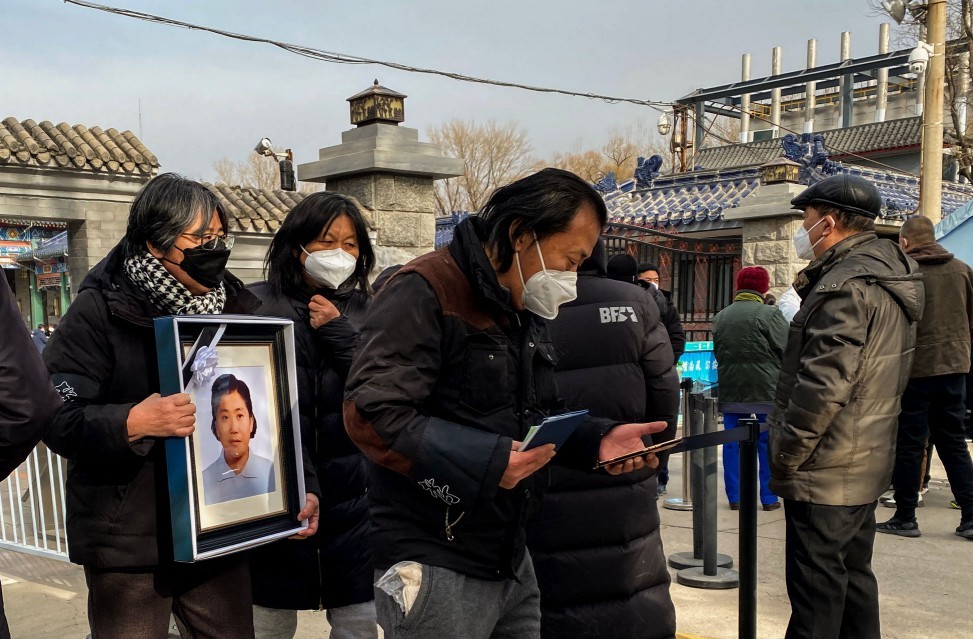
595,539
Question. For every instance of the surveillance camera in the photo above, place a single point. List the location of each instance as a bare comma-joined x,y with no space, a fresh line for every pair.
265,148
919,58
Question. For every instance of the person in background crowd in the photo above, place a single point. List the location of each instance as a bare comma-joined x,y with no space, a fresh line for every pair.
455,365
28,401
770,300
595,538
748,340
934,403
102,359
317,275
832,439
648,277
789,303
621,267
39,337
969,404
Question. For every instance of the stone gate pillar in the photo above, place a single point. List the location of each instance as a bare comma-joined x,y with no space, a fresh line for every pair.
387,169
769,224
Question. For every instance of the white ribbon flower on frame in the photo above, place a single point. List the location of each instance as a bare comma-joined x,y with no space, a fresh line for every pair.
204,365
206,360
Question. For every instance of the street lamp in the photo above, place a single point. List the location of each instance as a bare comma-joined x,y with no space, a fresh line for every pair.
664,125
896,9
285,161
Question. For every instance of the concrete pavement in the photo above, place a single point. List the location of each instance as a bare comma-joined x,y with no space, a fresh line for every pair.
925,583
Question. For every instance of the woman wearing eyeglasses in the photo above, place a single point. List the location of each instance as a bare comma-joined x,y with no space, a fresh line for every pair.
317,275
102,359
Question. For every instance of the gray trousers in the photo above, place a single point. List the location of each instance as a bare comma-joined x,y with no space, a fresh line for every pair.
347,622
451,604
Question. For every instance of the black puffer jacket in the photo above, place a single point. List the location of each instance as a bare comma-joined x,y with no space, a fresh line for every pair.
670,319
848,358
28,402
595,539
103,360
446,375
333,568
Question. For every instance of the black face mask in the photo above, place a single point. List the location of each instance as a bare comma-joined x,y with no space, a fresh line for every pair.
207,267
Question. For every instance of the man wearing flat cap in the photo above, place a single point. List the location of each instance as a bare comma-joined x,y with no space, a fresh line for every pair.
832,443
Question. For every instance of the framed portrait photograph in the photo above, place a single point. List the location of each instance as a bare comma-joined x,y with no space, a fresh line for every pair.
238,480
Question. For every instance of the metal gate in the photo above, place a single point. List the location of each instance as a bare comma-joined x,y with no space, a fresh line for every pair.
698,271
32,512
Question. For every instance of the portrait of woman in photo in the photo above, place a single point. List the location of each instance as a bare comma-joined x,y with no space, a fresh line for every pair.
238,472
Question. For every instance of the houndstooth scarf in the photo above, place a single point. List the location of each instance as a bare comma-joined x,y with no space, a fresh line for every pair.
166,292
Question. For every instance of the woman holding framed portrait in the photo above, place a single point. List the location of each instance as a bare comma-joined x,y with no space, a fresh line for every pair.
317,275
112,427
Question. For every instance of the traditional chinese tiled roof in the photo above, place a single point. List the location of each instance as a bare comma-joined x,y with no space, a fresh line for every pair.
695,201
445,226
688,201
27,143
862,139
255,210
900,192
683,199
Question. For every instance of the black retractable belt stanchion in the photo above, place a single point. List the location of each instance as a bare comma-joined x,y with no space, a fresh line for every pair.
711,575
695,559
684,502
748,530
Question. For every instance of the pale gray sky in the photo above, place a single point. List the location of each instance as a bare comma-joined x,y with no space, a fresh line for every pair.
205,97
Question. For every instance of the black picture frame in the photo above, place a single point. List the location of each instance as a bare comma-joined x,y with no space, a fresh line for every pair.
260,351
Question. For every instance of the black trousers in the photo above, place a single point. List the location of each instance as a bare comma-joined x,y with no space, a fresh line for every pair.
933,408
210,599
4,628
833,591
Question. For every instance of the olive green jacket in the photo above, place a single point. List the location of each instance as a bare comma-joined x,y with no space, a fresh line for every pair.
748,340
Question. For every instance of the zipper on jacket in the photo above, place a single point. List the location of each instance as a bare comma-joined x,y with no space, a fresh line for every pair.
449,525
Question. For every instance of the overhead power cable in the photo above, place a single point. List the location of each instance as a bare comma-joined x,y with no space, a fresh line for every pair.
342,58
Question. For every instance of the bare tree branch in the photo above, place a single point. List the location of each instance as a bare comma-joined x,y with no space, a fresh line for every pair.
495,154
619,155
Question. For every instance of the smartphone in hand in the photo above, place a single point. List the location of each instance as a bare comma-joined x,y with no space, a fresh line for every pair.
654,448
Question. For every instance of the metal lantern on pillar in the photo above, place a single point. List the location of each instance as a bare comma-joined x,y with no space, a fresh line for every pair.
377,105
780,170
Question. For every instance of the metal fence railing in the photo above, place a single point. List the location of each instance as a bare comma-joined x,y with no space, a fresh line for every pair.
32,506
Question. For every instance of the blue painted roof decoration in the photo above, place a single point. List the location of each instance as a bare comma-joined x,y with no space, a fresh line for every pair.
683,199
445,226
697,200
606,184
793,150
647,170
810,152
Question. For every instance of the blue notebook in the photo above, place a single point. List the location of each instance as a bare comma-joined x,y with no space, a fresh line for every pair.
553,430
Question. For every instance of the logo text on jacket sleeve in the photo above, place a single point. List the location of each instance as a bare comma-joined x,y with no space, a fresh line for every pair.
439,492
617,314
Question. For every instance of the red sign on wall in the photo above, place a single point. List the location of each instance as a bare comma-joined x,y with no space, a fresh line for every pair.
52,280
